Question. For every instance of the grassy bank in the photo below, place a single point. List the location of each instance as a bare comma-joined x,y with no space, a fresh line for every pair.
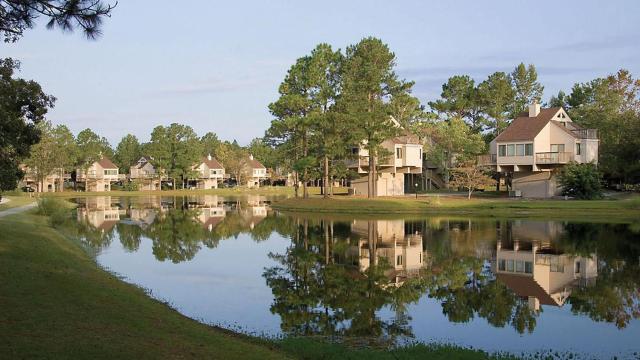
16,201
57,303
624,209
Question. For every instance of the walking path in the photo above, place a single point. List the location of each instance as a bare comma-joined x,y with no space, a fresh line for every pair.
17,210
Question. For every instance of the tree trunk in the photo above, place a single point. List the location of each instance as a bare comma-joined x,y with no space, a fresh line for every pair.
325,178
370,177
375,177
498,182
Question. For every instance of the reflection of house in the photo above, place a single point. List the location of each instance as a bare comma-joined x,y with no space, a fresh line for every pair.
99,212
48,183
404,159
145,173
539,273
98,176
210,173
211,210
387,239
256,172
535,144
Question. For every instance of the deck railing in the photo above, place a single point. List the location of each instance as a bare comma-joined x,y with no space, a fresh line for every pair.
553,157
586,133
488,159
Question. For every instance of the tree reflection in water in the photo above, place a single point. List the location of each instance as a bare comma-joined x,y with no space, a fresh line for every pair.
356,278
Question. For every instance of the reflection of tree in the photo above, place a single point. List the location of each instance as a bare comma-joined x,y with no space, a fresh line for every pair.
176,235
314,295
615,296
130,236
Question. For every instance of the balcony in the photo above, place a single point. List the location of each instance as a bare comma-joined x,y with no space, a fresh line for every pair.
585,133
489,159
550,158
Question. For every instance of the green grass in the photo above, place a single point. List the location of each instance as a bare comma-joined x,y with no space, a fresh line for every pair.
16,201
624,209
57,303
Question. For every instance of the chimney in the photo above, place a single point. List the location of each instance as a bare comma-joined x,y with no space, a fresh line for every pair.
534,109
250,156
209,157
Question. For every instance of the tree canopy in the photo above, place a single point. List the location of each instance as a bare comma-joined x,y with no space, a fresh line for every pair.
16,16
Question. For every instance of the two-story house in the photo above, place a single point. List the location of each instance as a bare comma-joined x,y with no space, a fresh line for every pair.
51,182
210,173
145,173
99,176
256,172
537,143
395,173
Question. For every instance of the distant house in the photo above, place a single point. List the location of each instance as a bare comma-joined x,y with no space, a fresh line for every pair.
396,172
99,176
52,182
537,143
210,173
145,174
256,172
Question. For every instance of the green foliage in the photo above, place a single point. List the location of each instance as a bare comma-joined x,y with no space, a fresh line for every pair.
23,105
612,106
497,97
127,152
57,210
174,149
211,145
582,181
526,86
16,16
91,147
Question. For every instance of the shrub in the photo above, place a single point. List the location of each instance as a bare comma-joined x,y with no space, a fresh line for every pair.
57,210
582,181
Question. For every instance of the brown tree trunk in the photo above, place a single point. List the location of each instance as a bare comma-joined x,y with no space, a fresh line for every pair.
325,178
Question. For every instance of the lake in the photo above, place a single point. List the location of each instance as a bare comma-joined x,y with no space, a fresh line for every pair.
494,284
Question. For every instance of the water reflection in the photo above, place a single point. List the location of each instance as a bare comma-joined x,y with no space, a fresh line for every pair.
364,278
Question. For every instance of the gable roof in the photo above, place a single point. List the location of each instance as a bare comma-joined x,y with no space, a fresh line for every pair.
255,164
212,163
525,286
106,163
525,127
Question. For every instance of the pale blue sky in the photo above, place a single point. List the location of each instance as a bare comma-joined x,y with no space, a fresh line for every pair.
217,65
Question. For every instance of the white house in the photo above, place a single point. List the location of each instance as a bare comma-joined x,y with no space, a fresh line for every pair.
537,143
256,172
394,171
145,173
99,176
210,173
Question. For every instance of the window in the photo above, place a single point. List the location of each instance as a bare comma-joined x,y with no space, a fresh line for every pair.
511,150
399,260
501,265
578,149
111,171
398,153
519,266
528,149
556,148
502,150
520,150
355,150
510,265
577,267
528,267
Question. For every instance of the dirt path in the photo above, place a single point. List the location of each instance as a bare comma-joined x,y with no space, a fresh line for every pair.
17,210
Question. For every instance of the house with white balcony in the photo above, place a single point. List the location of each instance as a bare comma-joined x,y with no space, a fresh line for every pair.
145,174
256,172
537,144
395,172
210,173
99,176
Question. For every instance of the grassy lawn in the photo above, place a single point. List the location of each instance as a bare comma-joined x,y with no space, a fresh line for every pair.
15,201
623,209
57,303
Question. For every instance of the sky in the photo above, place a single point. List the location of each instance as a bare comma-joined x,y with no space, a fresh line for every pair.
216,65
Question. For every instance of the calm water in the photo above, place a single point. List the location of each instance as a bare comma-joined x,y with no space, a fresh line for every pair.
514,285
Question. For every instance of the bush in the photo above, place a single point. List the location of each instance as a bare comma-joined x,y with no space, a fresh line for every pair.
582,181
57,210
